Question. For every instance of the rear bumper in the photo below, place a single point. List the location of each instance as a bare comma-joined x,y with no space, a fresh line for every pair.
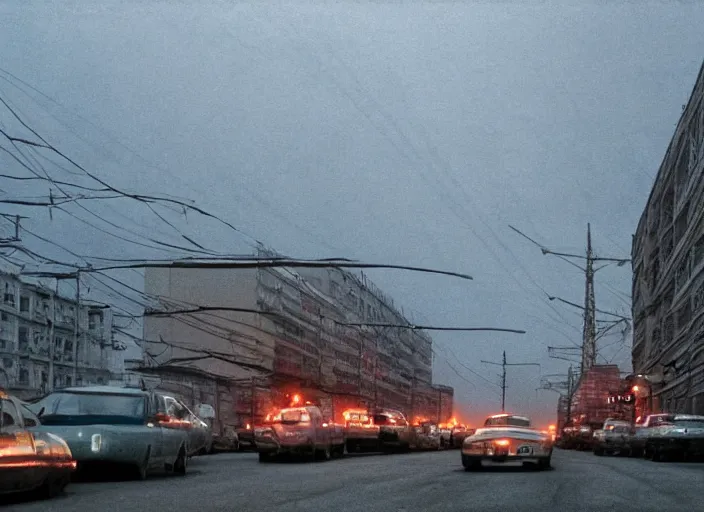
473,460
275,448
22,475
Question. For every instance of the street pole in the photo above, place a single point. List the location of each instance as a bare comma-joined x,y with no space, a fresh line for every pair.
503,364
589,329
570,386
76,327
503,384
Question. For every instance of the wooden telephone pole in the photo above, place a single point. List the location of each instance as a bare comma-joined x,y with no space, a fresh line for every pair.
503,364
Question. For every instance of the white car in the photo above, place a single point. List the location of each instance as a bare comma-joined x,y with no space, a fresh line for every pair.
507,439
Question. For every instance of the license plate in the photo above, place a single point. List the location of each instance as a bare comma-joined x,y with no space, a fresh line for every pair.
525,450
501,452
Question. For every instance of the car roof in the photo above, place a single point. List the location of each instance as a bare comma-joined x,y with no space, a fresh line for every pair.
112,390
684,417
504,415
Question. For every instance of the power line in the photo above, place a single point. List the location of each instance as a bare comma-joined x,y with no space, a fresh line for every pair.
503,365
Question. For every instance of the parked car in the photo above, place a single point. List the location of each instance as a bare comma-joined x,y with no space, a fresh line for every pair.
299,431
36,462
506,439
643,430
395,433
117,425
228,441
459,434
613,438
680,436
427,437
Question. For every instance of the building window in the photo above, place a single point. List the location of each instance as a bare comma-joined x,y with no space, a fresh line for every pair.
23,338
24,304
9,295
24,376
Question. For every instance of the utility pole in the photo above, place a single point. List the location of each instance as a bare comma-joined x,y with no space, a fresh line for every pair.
15,219
589,329
570,392
76,327
503,366
589,336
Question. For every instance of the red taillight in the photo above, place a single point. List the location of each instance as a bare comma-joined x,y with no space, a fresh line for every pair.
162,418
502,442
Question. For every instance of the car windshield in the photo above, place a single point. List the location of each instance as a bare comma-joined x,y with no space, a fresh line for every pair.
75,408
292,416
507,421
355,417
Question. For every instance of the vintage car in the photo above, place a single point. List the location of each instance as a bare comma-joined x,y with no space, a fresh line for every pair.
427,437
613,438
507,439
299,431
681,436
459,434
361,434
116,425
30,461
395,433
227,441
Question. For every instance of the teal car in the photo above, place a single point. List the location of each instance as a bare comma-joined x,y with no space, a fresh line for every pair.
116,425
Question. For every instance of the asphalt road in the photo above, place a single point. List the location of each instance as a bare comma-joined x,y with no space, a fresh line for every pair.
432,481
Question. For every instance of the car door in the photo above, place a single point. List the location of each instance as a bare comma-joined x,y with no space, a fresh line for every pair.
173,432
196,430
322,434
157,458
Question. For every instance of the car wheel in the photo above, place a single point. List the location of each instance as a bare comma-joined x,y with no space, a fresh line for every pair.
473,466
53,486
265,457
324,454
181,464
544,463
141,470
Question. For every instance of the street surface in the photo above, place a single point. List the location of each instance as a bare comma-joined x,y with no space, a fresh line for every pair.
432,481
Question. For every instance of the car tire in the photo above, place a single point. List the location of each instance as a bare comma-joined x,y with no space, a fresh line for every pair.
473,466
141,470
265,457
181,464
53,486
545,464
325,454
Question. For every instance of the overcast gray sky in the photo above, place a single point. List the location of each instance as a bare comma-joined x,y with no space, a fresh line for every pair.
397,132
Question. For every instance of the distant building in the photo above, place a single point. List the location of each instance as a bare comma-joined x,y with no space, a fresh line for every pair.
668,273
302,341
47,342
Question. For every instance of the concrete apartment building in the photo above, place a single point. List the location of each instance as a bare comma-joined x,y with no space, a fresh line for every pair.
242,362
668,273
49,342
